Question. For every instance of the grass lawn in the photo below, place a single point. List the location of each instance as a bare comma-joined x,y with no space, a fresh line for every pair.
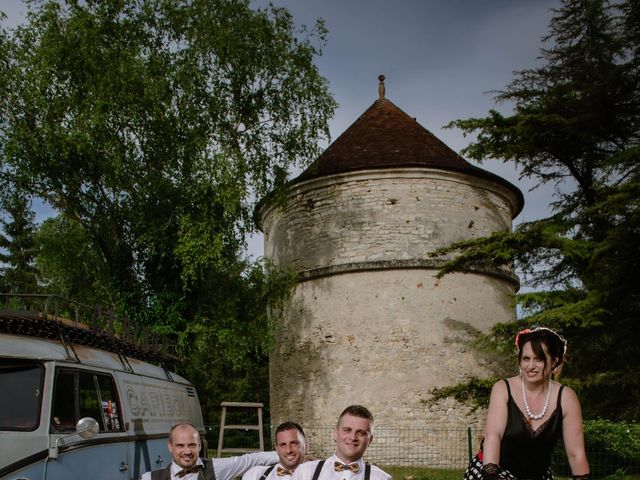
418,473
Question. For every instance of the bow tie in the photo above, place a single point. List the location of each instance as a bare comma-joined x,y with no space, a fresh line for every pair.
280,471
339,467
186,471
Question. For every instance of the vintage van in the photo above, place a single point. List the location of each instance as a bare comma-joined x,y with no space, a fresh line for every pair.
78,401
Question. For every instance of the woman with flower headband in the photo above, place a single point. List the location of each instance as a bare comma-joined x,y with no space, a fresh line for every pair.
528,413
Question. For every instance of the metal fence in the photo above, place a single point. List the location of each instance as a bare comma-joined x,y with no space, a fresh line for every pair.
428,454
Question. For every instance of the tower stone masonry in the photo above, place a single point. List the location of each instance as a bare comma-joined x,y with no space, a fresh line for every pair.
369,322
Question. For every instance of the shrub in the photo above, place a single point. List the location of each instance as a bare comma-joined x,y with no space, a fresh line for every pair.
613,448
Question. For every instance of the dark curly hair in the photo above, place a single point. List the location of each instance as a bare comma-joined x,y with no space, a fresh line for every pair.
555,343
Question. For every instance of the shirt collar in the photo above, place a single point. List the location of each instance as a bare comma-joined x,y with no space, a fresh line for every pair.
175,468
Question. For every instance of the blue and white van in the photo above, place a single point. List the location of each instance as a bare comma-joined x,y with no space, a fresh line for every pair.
78,402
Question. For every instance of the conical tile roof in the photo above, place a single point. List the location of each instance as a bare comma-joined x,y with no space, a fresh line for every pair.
386,137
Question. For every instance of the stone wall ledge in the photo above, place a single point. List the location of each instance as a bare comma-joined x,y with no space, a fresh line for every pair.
413,263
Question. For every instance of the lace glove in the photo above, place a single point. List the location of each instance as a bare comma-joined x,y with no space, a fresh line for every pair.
490,471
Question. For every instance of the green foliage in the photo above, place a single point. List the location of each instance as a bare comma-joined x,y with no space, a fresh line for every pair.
63,243
18,273
153,127
613,450
475,391
619,438
575,124
228,345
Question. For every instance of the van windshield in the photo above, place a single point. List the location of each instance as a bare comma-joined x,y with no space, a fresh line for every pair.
21,387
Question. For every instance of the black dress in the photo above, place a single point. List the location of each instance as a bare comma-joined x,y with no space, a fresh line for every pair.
526,453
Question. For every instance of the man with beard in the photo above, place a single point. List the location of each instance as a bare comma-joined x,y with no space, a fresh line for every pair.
184,446
291,447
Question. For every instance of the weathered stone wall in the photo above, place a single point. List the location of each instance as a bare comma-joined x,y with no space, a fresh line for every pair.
383,339
370,323
382,215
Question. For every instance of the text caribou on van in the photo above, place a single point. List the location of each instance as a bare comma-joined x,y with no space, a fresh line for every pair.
79,400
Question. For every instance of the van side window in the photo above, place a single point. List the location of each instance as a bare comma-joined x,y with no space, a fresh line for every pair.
81,393
109,403
20,397
64,406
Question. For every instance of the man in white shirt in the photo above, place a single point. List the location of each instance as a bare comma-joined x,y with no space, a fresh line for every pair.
353,434
184,446
291,447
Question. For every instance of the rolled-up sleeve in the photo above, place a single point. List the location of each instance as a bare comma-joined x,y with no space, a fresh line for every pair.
231,467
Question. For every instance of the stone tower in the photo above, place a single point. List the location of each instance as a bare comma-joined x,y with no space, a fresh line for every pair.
369,322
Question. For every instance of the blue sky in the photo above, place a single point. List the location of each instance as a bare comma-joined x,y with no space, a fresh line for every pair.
440,58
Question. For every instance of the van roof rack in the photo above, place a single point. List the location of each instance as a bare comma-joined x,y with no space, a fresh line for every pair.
71,322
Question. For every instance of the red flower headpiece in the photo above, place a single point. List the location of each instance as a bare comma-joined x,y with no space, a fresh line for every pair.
521,332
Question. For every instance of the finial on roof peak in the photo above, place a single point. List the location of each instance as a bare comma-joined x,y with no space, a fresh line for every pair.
381,87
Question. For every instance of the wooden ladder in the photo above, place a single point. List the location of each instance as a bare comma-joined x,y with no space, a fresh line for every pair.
224,427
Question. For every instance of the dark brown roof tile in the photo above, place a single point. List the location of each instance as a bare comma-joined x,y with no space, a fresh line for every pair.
386,137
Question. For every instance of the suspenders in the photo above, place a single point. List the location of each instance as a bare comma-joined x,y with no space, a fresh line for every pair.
267,472
316,473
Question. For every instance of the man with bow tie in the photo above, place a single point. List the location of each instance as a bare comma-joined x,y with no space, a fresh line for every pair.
353,434
184,446
291,447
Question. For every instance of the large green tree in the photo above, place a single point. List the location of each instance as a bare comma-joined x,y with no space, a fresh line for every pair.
153,126
575,124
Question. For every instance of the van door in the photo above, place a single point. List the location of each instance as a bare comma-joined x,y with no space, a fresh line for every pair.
79,393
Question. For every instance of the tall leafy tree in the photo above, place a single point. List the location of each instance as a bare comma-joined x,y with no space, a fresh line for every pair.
18,273
153,126
576,124
66,261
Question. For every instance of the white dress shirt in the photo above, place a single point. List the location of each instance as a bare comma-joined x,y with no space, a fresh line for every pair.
306,470
226,468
